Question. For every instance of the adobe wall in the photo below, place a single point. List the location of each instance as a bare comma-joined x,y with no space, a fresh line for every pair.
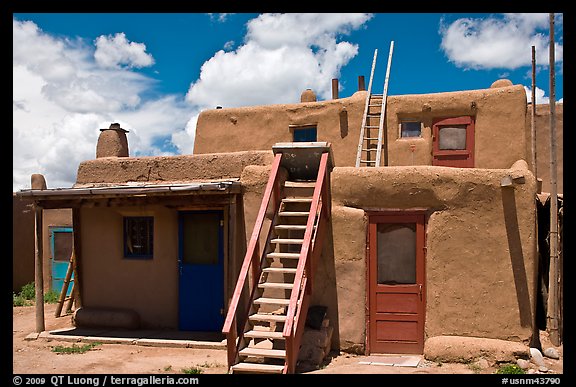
480,247
23,235
158,169
147,286
500,131
542,124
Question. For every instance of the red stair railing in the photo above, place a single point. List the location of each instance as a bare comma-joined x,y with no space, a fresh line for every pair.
252,261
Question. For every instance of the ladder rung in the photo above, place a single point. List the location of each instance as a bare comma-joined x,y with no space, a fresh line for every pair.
372,126
284,255
275,285
371,138
300,184
370,150
283,270
267,317
367,161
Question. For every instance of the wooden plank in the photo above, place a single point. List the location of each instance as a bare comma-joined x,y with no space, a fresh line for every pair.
264,335
261,352
271,301
258,368
267,317
275,285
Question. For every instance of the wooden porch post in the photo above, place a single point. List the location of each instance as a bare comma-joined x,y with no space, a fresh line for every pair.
38,271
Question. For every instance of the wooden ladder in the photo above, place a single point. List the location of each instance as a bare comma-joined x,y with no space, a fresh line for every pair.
63,293
368,143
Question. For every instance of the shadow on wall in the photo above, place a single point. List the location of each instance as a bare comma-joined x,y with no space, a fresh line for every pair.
516,256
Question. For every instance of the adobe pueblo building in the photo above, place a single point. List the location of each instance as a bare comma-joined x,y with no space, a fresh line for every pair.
271,218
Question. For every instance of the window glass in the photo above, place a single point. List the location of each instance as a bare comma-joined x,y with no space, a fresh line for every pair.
452,137
305,134
410,129
396,253
138,236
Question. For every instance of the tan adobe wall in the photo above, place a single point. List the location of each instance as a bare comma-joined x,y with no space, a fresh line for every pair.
480,261
22,243
543,144
500,131
500,134
158,169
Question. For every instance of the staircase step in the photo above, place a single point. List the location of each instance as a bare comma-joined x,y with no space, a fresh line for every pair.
261,352
283,255
275,285
300,184
264,335
258,368
271,301
297,200
281,270
287,241
299,227
267,317
294,213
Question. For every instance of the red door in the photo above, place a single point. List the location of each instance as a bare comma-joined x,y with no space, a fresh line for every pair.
453,142
396,283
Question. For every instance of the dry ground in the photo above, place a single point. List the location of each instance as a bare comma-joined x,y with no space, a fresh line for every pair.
36,356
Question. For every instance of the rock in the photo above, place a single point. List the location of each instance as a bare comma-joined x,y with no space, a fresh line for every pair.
524,364
537,357
552,353
543,369
531,371
482,364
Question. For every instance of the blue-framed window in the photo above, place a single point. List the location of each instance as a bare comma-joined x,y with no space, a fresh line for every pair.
139,237
305,134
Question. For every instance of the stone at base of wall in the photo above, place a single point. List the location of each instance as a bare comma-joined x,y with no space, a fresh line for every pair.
460,349
315,345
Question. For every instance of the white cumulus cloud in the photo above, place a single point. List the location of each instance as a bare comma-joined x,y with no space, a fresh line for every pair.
114,51
499,41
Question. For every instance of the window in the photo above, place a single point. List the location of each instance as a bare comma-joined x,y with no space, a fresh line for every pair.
452,137
410,129
138,237
62,245
396,253
305,134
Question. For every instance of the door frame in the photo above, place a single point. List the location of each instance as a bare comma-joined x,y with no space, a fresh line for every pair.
446,156
222,249
51,236
420,217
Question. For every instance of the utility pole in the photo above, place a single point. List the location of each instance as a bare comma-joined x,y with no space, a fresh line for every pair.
533,122
553,304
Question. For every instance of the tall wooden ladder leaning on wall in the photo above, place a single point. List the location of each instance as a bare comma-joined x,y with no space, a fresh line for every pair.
267,312
370,143
65,286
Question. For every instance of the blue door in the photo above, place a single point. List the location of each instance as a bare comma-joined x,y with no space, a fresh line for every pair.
60,252
201,270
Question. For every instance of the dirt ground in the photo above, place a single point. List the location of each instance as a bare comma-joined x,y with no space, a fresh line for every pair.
36,356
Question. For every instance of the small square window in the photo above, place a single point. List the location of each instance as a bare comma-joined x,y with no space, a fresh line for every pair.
410,129
138,237
307,134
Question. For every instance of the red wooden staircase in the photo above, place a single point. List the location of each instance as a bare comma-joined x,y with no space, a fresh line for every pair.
268,309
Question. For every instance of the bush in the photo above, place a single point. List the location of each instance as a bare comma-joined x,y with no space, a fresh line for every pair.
28,291
510,369
51,297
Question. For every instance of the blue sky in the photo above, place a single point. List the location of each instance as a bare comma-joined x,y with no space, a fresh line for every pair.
154,72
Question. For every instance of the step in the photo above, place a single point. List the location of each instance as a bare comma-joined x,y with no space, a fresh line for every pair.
275,285
264,335
297,200
294,213
261,352
267,317
300,184
283,255
258,368
281,241
271,301
299,227
280,270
